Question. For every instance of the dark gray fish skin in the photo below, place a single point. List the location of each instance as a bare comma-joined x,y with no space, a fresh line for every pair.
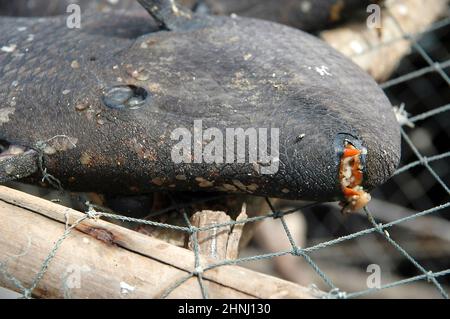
307,15
43,8
17,167
235,73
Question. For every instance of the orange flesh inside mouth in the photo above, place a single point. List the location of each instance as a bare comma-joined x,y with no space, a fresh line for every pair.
351,177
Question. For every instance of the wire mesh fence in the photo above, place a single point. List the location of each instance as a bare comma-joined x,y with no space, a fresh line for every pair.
420,89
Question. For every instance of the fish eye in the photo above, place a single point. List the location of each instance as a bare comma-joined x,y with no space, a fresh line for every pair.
125,97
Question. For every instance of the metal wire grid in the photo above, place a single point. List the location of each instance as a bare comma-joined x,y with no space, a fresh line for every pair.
425,92
379,228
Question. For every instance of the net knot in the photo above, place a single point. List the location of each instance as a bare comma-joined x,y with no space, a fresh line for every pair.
26,294
335,293
193,230
198,270
379,227
424,160
91,212
430,276
297,251
277,214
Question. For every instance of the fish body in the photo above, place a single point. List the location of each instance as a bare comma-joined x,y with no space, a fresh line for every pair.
103,106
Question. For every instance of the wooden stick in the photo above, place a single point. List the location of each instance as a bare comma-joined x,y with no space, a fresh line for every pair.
102,260
379,51
212,242
236,234
219,243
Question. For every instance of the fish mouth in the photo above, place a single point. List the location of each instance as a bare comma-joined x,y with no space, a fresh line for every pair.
16,161
11,150
8,150
351,168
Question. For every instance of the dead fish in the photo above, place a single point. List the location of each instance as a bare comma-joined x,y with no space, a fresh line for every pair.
103,108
